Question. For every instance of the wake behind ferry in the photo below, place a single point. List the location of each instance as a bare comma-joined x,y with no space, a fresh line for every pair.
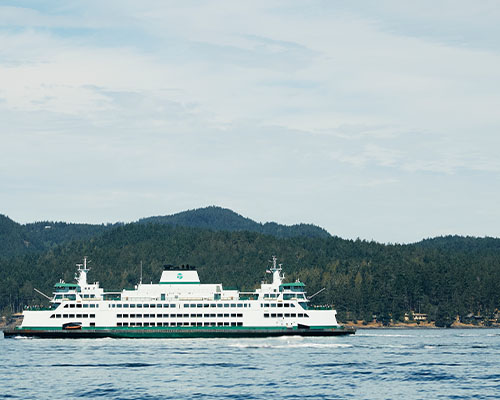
179,306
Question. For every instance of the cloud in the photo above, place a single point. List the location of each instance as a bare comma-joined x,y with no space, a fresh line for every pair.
176,105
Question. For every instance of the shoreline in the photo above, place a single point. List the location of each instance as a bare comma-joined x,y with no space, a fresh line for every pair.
426,325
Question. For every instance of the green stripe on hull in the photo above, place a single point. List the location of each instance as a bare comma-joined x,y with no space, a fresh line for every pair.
177,332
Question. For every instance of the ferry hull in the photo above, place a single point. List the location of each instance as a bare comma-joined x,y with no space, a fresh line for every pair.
175,333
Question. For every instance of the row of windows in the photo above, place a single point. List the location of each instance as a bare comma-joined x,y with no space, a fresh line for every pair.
72,316
286,315
206,305
73,305
180,324
279,305
180,316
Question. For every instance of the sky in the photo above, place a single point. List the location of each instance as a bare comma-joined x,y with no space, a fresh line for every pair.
374,120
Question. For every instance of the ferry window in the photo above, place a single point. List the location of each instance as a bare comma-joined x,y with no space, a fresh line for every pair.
219,315
286,305
159,305
119,315
292,305
186,305
233,323
118,324
266,315
172,305
233,305
280,315
212,315
287,315
192,305
226,315
85,306
293,315
239,315
280,305
226,323
125,306
92,315
305,315
212,305
139,305
58,315
113,305
233,315
186,315
119,305
239,323
145,306
199,305
92,296
79,316
206,305
240,305
219,324
72,315
92,306
199,315
226,305
273,315
163,296
206,315
53,316
66,306
92,324
219,305
132,306
193,315
273,305
152,305
71,306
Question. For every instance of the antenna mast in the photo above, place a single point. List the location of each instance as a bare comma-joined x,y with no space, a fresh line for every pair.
140,279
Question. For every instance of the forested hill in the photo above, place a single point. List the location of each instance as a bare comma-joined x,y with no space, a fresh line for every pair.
223,219
361,278
17,239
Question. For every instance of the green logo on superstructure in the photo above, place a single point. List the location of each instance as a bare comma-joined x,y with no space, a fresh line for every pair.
179,276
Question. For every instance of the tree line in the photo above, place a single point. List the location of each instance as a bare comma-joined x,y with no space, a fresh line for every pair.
443,277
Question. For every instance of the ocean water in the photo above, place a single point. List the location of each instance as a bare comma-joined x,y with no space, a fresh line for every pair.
373,364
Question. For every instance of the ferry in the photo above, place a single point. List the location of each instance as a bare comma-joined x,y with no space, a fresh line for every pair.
179,306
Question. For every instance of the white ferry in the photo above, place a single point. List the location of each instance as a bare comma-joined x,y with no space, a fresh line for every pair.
179,306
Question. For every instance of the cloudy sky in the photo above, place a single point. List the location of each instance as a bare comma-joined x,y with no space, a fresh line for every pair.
378,120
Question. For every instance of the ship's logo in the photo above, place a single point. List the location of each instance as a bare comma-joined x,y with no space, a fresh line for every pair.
179,276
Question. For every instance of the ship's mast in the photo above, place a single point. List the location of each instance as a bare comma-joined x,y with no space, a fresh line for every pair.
81,276
276,271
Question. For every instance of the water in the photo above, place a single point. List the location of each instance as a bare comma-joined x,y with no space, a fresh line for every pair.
373,364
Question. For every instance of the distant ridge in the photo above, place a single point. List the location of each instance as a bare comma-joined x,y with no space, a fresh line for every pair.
222,219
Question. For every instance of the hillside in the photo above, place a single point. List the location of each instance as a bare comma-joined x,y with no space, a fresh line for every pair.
361,278
17,239
223,219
